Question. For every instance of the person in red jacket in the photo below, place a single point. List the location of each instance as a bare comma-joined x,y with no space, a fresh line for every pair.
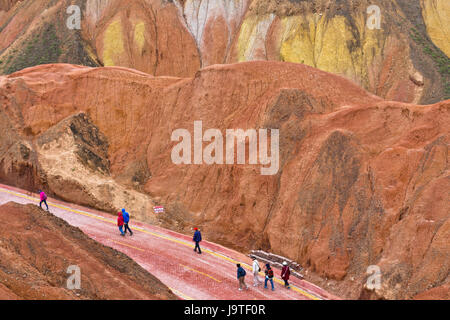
120,223
285,273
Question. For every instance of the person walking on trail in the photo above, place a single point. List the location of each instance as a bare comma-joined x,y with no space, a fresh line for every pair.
197,238
269,276
241,277
126,220
120,223
256,269
285,272
43,198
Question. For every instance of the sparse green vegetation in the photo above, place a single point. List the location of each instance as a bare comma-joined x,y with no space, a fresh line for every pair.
44,47
440,59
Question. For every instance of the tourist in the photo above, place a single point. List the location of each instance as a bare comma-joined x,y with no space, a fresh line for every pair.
120,223
197,238
241,277
126,220
269,276
256,270
285,272
43,198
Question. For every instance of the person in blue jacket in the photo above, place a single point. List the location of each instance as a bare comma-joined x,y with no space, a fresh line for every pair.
197,238
241,277
126,220
269,276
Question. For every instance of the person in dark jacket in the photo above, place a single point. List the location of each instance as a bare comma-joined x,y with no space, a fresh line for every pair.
269,276
126,220
120,223
285,272
197,238
43,198
241,277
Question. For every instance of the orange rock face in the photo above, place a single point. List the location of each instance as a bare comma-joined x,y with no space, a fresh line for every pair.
361,181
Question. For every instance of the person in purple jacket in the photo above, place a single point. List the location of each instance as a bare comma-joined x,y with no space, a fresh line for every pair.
43,198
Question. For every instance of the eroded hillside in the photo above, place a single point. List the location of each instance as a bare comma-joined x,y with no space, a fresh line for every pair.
406,59
361,181
37,249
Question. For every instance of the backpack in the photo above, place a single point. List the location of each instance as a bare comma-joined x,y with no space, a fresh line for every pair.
270,273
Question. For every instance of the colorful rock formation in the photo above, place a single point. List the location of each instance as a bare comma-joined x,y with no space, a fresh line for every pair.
362,181
406,59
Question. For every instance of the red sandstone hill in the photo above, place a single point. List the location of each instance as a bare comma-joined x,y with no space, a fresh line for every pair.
362,181
36,249
405,58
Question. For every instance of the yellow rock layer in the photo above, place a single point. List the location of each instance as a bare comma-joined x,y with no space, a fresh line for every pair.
325,44
113,45
252,36
436,14
139,35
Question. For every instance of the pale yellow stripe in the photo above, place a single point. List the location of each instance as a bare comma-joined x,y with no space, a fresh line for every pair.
205,274
185,297
127,245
